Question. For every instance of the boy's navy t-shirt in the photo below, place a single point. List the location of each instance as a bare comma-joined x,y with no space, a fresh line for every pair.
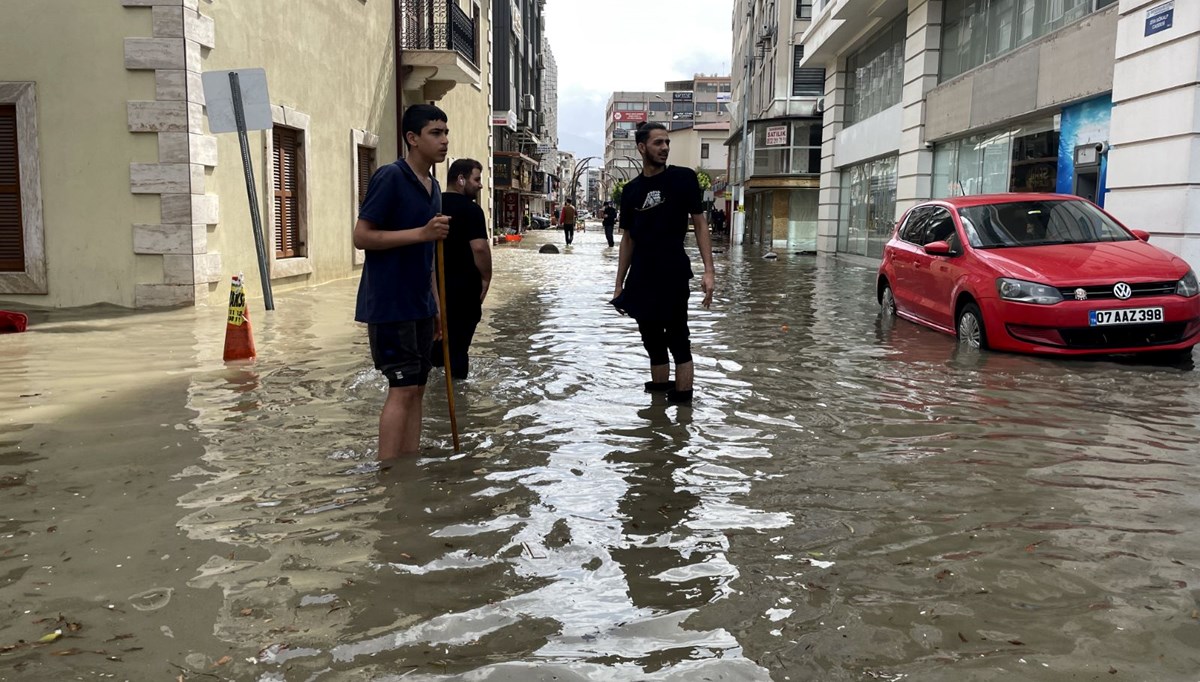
396,283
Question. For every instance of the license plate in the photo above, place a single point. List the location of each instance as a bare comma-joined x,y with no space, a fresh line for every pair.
1103,318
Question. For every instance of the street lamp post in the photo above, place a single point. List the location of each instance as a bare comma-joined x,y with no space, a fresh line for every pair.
579,167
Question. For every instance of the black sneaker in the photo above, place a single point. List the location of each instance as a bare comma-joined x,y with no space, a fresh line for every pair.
659,386
674,396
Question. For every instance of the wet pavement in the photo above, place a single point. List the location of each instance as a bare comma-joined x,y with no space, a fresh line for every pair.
845,500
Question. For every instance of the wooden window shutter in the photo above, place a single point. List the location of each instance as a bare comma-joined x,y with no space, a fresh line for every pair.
287,193
366,168
12,232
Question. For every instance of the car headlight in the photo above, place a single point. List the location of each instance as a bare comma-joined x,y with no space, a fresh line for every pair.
1188,286
1027,292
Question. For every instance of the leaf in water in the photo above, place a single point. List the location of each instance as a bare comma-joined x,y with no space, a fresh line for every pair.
1112,670
223,661
67,652
1032,546
962,638
52,637
943,574
246,612
1016,642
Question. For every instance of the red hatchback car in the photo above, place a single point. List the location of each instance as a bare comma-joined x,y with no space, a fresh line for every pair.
1038,273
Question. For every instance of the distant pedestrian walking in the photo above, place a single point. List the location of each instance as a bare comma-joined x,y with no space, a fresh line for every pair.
567,220
653,270
610,221
468,257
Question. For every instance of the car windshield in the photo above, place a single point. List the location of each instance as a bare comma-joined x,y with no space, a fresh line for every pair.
1039,223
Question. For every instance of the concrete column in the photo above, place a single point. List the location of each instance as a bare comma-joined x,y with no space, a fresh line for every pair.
833,121
922,51
1154,162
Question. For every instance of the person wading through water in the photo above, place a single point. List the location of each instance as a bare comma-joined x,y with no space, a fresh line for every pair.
398,223
468,257
653,269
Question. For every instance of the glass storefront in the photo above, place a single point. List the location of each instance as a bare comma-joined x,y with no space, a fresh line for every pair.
868,208
1017,159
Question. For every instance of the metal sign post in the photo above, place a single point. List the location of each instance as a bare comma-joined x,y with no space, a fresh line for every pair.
232,109
239,113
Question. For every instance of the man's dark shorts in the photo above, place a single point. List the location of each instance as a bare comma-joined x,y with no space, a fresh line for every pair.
401,351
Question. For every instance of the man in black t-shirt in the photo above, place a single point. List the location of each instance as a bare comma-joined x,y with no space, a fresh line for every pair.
653,270
468,257
398,223
610,220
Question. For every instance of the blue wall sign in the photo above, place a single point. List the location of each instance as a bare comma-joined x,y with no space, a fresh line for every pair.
1160,18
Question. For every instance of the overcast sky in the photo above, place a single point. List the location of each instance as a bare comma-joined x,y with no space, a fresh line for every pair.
602,47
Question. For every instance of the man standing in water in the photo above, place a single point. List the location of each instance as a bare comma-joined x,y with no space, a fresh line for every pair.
398,223
653,270
610,221
567,220
468,257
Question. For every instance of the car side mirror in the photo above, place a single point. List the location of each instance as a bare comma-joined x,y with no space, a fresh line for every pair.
941,248
1141,234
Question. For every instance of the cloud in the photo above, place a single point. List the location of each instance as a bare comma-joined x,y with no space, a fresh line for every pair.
603,47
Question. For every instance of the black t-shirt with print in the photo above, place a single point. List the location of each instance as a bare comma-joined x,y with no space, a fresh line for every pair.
654,213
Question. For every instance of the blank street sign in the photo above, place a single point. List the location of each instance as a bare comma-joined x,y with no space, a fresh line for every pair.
218,99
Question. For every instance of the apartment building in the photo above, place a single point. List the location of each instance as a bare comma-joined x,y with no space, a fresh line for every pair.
775,140
936,98
113,190
680,104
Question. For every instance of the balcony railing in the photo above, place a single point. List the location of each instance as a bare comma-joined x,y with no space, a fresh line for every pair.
438,25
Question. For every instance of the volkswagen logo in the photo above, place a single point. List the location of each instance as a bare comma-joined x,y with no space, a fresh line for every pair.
1081,294
1122,291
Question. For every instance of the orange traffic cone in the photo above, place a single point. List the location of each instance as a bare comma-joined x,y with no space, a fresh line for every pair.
239,340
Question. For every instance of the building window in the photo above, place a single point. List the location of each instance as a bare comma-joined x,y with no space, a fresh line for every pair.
12,228
805,82
288,193
804,9
629,106
22,242
868,208
365,166
875,74
704,150
660,106
977,31
783,148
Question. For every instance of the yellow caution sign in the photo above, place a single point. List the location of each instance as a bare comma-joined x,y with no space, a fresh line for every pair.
237,303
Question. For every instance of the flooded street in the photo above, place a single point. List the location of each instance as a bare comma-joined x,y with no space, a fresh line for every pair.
845,500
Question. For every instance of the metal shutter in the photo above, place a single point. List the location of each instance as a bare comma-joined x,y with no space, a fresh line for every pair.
12,234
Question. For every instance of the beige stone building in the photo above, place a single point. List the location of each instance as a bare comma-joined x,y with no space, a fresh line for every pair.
112,189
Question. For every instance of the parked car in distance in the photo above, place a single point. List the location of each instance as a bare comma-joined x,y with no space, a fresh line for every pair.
539,222
1038,273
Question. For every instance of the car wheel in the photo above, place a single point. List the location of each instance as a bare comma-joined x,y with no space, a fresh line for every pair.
970,327
887,302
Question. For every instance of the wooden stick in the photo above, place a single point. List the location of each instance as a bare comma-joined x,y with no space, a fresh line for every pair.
441,273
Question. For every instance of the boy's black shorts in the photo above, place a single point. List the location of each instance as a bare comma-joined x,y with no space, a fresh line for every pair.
401,350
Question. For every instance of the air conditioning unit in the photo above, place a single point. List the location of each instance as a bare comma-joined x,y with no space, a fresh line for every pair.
819,105
529,102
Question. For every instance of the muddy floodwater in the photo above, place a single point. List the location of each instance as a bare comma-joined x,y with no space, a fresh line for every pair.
845,500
